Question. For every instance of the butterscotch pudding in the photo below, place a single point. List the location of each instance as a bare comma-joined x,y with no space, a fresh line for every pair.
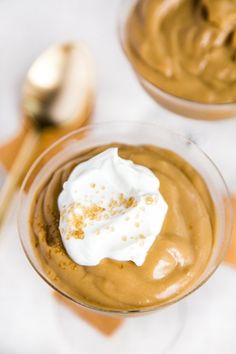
113,244
123,227
187,49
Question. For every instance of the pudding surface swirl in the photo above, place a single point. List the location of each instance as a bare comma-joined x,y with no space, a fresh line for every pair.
175,261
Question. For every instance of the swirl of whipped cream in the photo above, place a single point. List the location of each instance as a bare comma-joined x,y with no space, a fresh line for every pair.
110,208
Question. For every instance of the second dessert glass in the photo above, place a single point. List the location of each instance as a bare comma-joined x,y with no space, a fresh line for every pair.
134,133
178,105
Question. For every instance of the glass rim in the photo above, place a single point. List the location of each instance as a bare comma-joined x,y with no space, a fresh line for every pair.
89,127
180,100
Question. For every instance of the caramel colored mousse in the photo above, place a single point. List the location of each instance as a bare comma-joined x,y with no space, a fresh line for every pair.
175,262
186,48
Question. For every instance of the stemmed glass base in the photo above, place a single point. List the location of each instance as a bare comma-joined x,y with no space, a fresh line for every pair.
156,333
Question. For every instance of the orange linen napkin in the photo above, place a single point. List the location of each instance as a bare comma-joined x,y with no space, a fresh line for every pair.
105,324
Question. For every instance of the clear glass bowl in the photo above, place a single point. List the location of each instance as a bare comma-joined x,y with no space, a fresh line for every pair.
128,133
181,106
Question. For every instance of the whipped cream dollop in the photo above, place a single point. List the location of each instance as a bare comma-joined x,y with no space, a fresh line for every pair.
110,208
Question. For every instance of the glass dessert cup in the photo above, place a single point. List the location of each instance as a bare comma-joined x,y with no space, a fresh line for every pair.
133,133
175,104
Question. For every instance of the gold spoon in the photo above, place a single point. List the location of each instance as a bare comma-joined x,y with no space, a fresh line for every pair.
56,91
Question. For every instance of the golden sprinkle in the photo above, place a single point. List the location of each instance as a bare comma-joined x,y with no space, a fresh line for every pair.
78,234
131,202
127,203
76,221
77,216
113,204
142,237
93,212
124,238
92,185
149,200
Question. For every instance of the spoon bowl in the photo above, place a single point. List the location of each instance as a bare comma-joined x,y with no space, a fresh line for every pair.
58,85
57,92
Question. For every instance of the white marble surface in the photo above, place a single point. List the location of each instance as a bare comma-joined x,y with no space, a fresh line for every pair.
29,318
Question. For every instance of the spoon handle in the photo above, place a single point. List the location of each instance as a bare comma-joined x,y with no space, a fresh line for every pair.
21,163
